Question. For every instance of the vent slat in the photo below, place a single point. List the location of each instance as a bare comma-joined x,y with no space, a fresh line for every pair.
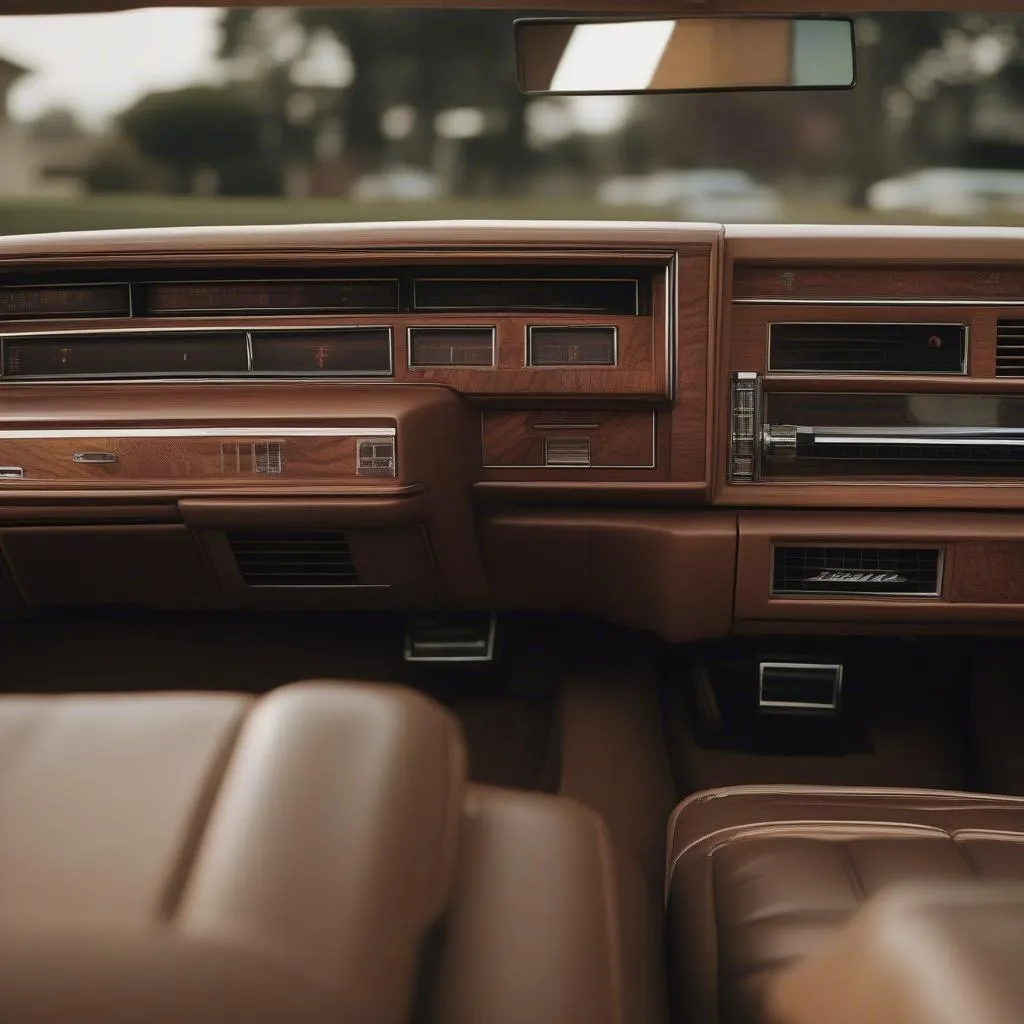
294,560
1010,348
864,571
867,348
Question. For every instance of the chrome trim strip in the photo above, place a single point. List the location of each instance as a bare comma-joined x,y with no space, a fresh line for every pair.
456,328
269,432
964,359
528,350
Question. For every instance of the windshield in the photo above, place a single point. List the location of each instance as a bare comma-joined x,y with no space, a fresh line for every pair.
189,116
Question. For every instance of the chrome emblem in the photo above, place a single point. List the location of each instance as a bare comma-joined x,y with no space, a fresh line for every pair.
856,577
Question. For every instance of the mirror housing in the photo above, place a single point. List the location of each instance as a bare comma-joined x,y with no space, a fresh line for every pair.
601,57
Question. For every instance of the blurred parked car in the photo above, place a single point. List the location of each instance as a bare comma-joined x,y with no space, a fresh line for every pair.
397,183
950,192
707,194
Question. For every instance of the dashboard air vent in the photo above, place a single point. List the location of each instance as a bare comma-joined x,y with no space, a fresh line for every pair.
802,570
294,559
525,293
1010,348
868,348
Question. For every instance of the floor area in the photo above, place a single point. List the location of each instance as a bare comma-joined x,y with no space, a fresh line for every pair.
616,719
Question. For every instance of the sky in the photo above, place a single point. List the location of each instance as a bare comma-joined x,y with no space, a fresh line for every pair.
98,64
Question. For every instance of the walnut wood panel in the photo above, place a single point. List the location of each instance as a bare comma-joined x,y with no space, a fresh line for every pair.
748,334
988,572
793,279
640,368
516,439
166,461
692,435
983,566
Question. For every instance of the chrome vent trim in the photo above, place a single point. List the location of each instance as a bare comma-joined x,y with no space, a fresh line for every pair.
744,427
1010,348
801,570
290,560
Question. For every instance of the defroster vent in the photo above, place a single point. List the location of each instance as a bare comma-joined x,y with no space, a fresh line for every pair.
294,559
855,571
1010,348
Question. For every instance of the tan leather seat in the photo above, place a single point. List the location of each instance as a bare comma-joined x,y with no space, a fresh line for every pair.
549,922
202,858
291,860
917,954
759,877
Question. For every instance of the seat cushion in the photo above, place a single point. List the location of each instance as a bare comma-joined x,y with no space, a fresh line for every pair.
549,923
203,857
920,953
760,876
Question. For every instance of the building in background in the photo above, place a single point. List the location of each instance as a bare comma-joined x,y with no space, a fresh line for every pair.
18,169
48,158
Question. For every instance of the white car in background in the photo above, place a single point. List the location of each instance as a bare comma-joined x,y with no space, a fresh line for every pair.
957,192
397,183
709,194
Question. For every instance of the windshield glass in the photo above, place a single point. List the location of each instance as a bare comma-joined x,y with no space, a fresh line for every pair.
202,116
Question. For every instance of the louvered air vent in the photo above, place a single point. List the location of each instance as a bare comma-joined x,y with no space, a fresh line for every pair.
1010,348
867,348
863,571
294,559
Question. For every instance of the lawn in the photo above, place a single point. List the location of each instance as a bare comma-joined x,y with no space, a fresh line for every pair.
20,216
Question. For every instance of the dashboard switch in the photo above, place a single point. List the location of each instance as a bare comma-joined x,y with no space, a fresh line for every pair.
375,456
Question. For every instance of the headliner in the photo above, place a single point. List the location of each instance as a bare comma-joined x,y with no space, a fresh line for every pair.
628,7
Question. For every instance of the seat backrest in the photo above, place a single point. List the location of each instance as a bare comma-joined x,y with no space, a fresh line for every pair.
205,857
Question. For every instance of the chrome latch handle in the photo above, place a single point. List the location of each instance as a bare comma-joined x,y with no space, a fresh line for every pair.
95,458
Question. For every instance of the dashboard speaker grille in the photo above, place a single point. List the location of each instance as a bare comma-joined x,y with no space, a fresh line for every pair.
858,571
1010,348
868,348
294,559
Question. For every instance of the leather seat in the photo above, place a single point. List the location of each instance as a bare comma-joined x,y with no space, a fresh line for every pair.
917,954
213,857
759,877
313,856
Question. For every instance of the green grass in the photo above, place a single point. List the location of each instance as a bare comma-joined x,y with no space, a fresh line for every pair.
21,216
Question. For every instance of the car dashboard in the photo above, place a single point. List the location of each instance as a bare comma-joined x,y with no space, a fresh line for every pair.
693,429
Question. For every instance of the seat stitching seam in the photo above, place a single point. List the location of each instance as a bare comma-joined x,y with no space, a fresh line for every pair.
852,872
201,816
968,859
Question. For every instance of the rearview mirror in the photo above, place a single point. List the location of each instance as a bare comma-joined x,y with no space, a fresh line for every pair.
578,57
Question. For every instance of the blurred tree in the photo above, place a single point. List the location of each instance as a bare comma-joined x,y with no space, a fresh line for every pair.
427,60
56,123
200,129
117,167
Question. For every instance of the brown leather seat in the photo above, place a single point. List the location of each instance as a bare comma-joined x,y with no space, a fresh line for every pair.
200,858
549,922
761,876
918,954
291,860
